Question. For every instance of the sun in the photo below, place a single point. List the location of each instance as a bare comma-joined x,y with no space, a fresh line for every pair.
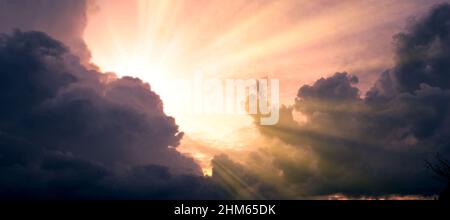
157,42
161,41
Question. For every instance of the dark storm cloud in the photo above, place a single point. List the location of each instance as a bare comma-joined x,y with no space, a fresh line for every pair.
63,20
338,87
422,56
377,144
69,132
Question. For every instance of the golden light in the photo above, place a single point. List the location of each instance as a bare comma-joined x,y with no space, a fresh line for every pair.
295,41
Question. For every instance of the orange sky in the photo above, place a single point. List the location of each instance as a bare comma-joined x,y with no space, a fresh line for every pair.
296,41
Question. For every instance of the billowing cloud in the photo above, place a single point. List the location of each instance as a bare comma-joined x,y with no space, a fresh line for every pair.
338,87
375,144
70,132
63,20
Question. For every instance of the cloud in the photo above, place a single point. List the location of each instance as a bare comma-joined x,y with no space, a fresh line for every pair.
241,182
421,56
69,132
63,20
73,133
375,144
338,87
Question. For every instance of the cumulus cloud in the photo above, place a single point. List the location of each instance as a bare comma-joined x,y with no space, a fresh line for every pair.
62,20
73,133
70,132
375,144
338,87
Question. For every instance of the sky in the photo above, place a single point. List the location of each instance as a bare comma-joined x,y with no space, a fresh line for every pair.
296,42
363,90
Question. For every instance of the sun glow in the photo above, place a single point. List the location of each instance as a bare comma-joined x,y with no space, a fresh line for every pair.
155,41
295,41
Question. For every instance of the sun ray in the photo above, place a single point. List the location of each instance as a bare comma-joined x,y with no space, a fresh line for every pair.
296,41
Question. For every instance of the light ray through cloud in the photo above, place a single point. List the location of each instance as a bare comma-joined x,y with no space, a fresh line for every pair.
295,41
